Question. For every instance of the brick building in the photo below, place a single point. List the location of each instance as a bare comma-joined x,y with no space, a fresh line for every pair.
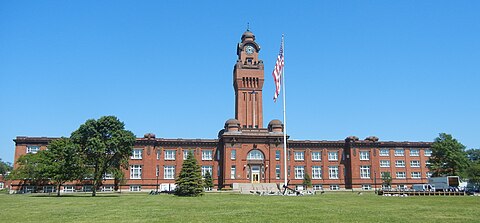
246,152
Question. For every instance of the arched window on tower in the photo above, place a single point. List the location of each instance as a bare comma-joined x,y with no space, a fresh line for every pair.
255,155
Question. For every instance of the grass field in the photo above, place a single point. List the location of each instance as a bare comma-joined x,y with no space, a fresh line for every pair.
229,207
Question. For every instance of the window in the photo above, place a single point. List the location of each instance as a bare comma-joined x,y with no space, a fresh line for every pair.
46,189
299,172
158,154
135,188
169,172
277,154
135,172
402,187
334,187
255,155
109,188
136,154
401,175
68,189
157,171
414,152
2,185
277,172
366,186
428,152
316,156
365,172
333,156
185,154
399,163
429,174
108,176
416,175
427,164
207,155
299,155
288,172
233,155
364,155
33,149
316,172
87,188
233,172
333,172
384,152
384,163
386,187
414,163
317,187
170,154
206,169
399,152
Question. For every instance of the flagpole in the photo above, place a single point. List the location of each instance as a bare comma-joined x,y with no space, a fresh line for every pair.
284,118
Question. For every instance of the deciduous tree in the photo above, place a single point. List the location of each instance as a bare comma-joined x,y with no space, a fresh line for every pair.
307,181
105,144
189,182
5,167
448,156
62,162
30,170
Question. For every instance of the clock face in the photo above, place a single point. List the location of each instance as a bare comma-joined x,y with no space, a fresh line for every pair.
249,50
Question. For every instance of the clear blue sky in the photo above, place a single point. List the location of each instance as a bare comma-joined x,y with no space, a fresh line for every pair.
399,70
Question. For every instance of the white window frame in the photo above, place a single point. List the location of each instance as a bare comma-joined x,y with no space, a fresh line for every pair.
33,149
399,163
316,156
366,187
401,175
332,155
170,154
416,175
428,174
334,187
299,155
333,172
399,152
317,187
299,172
384,163
364,155
277,154
316,172
414,152
135,188
185,154
384,152
427,152
135,171
233,172
255,155
233,154
68,189
365,172
278,172
2,185
108,188
207,154
169,172
205,169
136,154
414,163
158,154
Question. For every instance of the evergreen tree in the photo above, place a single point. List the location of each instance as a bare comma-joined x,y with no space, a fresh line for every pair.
307,181
448,157
208,180
189,182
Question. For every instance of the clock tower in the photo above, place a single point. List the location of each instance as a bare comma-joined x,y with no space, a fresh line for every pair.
248,81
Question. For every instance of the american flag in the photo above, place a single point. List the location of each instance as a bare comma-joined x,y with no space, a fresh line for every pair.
277,72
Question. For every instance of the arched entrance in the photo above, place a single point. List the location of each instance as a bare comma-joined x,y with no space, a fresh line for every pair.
256,169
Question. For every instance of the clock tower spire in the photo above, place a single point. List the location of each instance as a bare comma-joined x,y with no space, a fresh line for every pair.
248,78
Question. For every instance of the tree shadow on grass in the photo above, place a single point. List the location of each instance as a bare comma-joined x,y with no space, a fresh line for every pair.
74,195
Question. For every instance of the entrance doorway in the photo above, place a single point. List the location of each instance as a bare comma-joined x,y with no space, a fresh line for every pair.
255,174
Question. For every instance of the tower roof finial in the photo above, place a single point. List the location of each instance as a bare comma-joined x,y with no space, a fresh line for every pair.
248,26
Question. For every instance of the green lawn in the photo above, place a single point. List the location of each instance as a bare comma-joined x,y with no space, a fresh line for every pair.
229,207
